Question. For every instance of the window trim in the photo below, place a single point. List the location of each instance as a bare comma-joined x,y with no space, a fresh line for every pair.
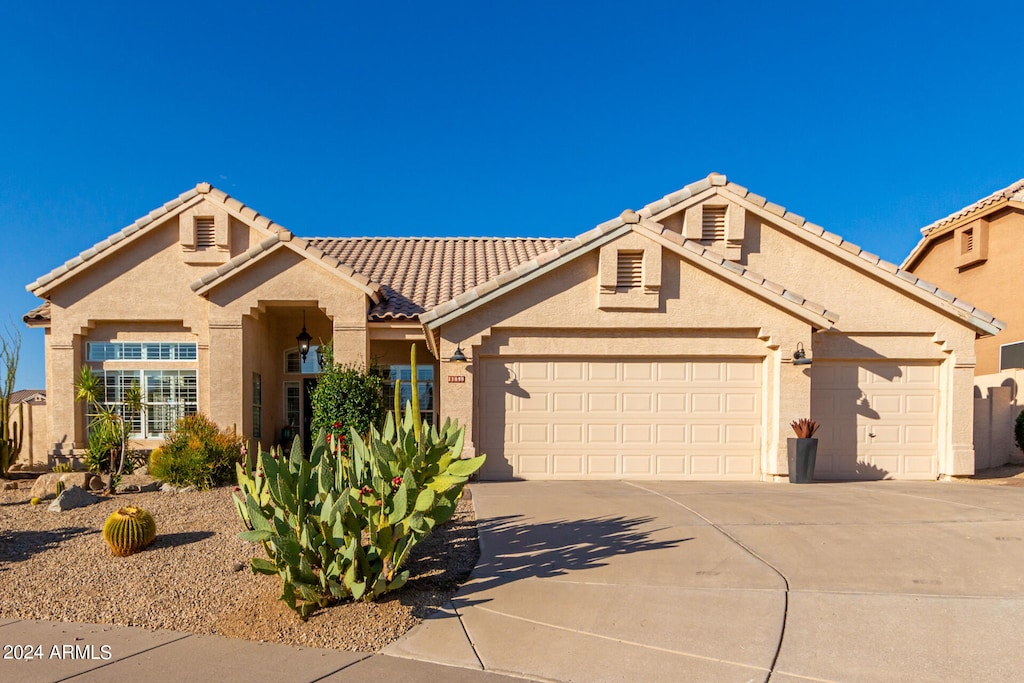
194,346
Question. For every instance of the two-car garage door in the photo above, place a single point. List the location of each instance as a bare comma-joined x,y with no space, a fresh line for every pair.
621,418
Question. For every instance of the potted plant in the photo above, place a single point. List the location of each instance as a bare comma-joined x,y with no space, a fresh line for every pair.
802,451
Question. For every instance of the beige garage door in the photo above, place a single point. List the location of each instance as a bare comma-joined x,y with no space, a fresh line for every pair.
621,418
879,419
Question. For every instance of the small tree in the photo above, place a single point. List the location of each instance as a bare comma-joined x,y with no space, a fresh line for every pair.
11,433
1018,431
108,419
346,397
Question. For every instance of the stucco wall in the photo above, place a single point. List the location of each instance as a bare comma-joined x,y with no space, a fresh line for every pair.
985,285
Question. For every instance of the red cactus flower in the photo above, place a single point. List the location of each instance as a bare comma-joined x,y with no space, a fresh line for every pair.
366,490
396,482
337,425
237,489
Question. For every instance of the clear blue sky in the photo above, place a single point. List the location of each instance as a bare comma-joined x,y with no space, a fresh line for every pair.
476,118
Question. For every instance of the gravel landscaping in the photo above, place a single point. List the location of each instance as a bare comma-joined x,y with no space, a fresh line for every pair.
196,578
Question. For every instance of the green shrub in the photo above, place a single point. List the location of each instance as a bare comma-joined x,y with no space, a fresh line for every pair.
104,439
347,397
1018,431
341,524
197,453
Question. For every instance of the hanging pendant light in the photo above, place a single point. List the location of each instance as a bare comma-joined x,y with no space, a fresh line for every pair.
303,339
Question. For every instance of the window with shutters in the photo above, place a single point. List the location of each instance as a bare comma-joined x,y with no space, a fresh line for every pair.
630,271
206,232
971,244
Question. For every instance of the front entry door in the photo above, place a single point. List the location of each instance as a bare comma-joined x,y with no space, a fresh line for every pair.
308,385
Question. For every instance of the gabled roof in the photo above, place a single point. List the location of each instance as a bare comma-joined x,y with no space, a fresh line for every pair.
28,396
605,232
285,240
418,273
854,255
1011,193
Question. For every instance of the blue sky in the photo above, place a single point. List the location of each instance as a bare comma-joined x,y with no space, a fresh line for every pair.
470,118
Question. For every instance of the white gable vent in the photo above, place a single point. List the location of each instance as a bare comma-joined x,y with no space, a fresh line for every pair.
206,232
713,224
630,271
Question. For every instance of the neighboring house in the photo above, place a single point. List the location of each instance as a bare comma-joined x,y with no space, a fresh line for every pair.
659,344
34,446
977,252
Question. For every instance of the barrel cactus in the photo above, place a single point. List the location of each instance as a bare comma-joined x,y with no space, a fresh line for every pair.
129,530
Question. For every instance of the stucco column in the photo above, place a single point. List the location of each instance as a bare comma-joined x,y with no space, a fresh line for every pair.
455,393
959,445
66,420
351,343
791,396
225,378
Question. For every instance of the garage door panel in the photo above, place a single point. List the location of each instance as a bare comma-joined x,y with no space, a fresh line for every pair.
623,417
882,425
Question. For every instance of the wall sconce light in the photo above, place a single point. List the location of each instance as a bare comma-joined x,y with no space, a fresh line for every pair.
459,356
303,339
800,356
320,355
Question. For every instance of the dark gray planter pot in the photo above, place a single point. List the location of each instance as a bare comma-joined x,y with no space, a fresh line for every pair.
802,453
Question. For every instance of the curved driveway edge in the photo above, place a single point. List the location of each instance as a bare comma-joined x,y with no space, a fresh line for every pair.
618,581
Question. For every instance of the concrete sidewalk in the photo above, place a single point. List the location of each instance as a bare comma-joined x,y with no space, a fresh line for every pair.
113,654
671,581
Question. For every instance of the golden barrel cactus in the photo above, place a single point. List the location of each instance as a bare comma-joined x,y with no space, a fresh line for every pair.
129,530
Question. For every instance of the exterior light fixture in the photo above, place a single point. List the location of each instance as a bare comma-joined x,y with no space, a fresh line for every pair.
459,356
800,356
303,339
320,356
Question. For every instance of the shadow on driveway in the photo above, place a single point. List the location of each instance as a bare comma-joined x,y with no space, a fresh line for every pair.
511,550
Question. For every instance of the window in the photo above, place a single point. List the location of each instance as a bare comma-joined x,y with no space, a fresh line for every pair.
257,406
425,385
144,351
311,366
630,272
292,404
167,396
1011,356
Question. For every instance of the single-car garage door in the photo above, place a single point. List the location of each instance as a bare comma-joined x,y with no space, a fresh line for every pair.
621,418
879,419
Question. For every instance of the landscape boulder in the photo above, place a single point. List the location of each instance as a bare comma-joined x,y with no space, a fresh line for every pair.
71,498
46,484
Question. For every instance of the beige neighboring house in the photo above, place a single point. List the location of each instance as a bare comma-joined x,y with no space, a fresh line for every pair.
30,405
977,252
659,344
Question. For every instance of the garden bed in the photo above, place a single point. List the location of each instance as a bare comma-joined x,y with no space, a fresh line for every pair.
196,578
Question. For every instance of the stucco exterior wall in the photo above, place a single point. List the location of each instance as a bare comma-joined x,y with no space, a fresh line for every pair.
700,314
987,284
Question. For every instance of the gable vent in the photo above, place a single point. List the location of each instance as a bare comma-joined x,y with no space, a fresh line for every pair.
206,233
713,224
630,273
968,240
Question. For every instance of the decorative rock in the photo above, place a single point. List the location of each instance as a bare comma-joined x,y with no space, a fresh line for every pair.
10,486
237,567
167,488
73,497
97,484
46,484
151,486
142,470
130,488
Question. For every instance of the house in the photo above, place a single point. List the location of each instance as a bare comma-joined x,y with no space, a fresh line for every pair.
669,342
28,407
977,252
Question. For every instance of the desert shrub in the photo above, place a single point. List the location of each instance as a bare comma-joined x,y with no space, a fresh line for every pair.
341,523
1018,431
104,439
347,397
197,453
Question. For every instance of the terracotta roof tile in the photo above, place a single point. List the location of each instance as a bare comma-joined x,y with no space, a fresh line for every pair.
1014,192
420,273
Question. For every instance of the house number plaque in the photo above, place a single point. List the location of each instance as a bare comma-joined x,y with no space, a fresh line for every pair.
456,379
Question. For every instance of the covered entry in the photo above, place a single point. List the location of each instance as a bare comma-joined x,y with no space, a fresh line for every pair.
621,418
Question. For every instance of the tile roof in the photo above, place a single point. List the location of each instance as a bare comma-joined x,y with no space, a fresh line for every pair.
28,396
39,314
598,236
1014,192
418,273
980,319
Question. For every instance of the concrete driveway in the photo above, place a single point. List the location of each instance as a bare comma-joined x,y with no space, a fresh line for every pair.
681,581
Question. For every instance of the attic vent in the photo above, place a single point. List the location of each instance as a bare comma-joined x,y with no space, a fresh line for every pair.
713,224
206,233
968,240
630,273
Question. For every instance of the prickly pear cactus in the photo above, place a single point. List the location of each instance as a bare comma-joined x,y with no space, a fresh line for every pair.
129,530
340,524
